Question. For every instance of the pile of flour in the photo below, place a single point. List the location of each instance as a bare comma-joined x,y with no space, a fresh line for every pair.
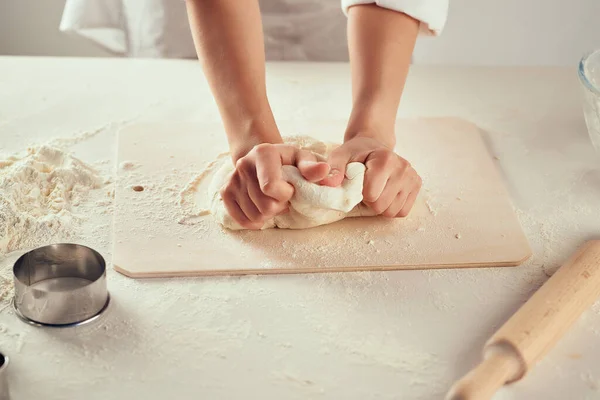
39,192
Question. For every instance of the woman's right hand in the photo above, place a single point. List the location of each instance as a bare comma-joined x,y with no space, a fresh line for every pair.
257,192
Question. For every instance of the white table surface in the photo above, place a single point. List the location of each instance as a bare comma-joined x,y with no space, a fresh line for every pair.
384,335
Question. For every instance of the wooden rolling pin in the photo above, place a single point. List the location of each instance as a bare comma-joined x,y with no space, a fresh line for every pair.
528,335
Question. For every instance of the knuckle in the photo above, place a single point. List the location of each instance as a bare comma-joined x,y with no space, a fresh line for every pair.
404,167
383,155
263,149
267,187
381,152
240,162
419,180
226,192
243,164
370,197
388,160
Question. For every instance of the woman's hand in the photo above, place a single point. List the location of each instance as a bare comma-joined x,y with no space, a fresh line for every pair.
391,184
257,192
380,44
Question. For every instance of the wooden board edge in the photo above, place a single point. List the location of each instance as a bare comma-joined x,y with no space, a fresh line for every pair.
296,271
126,272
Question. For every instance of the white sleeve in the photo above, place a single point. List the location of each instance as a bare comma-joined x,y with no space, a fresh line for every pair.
431,13
99,21
134,28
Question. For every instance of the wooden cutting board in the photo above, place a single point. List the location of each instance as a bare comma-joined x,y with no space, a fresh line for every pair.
463,217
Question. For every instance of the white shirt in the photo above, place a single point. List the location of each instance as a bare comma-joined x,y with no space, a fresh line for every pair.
312,30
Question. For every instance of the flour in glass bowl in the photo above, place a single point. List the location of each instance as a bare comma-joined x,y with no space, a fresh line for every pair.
39,193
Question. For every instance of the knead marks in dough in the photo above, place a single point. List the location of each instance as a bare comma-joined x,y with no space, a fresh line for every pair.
312,204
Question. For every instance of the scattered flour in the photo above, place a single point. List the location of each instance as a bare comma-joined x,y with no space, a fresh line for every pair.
6,290
128,165
64,142
39,193
431,208
190,212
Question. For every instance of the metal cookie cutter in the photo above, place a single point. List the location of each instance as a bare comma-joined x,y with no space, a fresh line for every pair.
60,285
4,393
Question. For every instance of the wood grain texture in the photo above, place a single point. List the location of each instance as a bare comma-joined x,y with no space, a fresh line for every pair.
463,217
553,309
536,327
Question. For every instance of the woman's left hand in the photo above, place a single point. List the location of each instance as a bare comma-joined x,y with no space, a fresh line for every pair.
391,184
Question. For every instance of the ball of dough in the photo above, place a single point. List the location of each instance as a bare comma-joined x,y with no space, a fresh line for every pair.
312,204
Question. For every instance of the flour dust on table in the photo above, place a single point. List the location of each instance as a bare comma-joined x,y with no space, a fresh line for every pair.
38,195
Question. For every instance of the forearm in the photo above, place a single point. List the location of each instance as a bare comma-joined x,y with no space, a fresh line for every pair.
380,43
229,42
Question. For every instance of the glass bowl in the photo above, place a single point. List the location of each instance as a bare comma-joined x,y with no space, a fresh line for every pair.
589,76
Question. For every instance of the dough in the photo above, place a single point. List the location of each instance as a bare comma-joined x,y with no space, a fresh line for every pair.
312,204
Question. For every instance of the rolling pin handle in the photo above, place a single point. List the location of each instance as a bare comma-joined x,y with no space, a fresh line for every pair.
501,364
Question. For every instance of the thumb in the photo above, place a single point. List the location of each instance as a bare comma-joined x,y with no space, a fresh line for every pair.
338,159
313,169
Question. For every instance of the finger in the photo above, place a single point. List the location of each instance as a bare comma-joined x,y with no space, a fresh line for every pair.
375,182
410,201
381,168
310,167
396,205
234,210
266,205
248,207
386,198
338,160
269,175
